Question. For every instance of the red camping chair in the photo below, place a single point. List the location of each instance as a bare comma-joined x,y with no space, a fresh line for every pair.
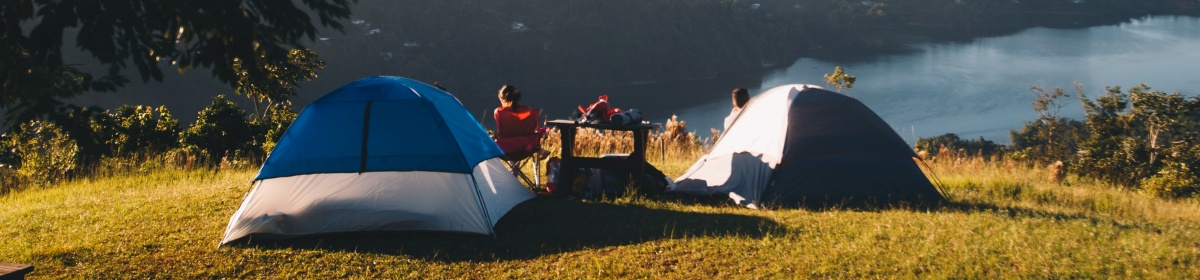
519,134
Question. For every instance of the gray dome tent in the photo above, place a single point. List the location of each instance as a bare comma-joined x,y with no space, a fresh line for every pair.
802,145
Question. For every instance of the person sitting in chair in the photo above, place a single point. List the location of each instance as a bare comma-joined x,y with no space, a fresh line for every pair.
518,127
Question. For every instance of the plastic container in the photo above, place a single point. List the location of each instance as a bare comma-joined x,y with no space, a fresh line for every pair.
582,176
552,166
582,184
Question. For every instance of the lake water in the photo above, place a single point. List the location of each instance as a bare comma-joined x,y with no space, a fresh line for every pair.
973,88
982,87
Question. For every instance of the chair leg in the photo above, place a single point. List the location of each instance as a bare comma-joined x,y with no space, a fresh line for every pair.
528,182
514,167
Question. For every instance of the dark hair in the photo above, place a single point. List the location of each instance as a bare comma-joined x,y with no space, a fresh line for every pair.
509,93
740,97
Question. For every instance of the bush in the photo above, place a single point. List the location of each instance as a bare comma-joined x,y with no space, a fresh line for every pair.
10,180
221,129
1178,178
272,125
8,154
137,129
47,153
1128,138
1048,140
951,142
1132,134
77,122
1172,181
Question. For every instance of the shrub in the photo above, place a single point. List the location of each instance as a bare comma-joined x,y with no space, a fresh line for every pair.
951,142
1173,181
8,154
77,122
10,180
1048,140
1132,133
47,153
1178,178
220,129
1128,137
271,126
137,129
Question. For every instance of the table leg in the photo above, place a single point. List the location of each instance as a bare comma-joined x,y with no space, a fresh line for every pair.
567,167
639,154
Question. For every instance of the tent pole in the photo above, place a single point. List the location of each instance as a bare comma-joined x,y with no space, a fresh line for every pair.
487,217
938,181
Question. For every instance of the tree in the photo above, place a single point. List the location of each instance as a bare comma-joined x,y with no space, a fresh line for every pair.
1160,114
255,35
1049,138
281,82
1132,134
840,80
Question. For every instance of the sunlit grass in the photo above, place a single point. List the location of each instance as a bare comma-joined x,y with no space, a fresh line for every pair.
1004,220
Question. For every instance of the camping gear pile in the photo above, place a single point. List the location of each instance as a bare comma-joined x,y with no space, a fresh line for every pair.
604,113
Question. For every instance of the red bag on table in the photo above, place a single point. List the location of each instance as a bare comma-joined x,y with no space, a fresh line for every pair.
599,112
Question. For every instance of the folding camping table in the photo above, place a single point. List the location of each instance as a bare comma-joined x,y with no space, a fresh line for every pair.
570,164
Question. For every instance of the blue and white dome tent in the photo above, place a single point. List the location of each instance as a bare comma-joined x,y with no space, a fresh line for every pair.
380,153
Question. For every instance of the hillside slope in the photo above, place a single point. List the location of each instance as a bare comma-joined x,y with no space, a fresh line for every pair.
1004,222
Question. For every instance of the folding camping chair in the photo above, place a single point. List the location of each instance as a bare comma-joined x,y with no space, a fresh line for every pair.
519,134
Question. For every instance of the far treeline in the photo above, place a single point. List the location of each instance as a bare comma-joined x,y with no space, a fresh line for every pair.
261,49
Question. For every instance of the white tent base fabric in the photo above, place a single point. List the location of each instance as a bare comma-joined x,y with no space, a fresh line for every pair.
741,175
373,201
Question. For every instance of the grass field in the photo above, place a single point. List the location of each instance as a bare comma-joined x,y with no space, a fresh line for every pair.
1003,221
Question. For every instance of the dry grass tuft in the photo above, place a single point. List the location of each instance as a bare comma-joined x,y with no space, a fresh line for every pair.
675,131
1057,172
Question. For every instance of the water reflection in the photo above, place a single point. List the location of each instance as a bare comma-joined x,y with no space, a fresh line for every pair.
981,88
